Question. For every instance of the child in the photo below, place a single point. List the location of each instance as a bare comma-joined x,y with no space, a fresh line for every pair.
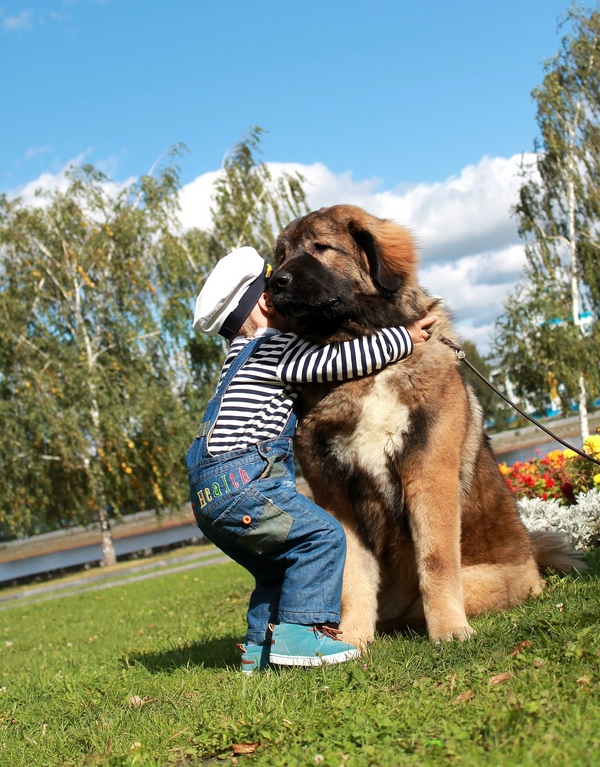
241,464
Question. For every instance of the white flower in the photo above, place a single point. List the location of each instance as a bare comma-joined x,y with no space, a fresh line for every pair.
581,522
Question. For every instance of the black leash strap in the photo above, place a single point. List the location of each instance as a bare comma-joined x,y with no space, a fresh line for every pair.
463,357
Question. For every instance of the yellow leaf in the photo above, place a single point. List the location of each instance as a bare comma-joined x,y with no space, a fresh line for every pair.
521,647
85,277
244,748
501,678
464,697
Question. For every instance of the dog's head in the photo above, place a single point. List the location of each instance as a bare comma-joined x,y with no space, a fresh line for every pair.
341,270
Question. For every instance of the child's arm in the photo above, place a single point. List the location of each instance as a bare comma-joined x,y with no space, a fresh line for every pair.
305,362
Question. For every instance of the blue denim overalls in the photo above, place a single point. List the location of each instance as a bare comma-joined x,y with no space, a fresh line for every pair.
247,504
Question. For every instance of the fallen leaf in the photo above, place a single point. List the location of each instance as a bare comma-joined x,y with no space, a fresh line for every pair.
464,697
136,702
521,647
500,678
584,680
244,748
538,663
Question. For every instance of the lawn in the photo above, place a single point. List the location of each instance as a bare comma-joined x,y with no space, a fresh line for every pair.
146,674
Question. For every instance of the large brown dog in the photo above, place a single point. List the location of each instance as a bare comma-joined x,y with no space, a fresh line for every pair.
400,457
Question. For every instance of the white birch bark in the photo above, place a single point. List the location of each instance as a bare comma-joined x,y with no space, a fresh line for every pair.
575,298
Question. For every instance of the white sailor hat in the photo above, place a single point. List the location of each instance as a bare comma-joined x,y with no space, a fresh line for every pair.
230,292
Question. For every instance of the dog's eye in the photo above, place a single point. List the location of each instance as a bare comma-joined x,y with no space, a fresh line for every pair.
320,246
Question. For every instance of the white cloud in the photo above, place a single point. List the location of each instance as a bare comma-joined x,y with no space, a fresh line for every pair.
195,201
35,151
475,286
47,182
59,181
21,21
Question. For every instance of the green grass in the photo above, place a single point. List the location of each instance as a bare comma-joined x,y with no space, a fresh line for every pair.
146,674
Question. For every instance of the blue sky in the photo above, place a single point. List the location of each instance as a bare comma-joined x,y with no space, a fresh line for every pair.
418,111
403,91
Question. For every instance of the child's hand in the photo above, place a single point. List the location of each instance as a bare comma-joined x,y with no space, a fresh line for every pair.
417,329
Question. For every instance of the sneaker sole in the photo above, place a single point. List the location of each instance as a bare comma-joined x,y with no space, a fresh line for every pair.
315,660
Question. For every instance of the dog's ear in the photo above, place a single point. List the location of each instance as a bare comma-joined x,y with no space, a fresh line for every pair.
383,277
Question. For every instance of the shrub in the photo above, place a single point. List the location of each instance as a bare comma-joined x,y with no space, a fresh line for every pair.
580,521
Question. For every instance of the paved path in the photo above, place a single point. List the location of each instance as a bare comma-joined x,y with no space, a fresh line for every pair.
108,579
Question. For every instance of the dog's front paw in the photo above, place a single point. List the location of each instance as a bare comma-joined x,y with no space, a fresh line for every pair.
359,635
460,632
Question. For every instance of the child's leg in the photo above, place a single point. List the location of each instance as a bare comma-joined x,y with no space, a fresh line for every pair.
262,612
314,557
264,600
264,606
293,548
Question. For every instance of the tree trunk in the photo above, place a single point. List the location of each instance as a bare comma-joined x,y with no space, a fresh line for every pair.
584,426
109,558
582,398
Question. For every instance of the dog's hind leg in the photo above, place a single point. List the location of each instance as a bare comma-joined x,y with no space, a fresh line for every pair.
491,587
359,592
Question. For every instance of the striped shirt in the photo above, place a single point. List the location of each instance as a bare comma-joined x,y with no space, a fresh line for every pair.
259,399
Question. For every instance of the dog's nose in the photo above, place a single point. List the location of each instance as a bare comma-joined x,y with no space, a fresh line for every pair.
280,280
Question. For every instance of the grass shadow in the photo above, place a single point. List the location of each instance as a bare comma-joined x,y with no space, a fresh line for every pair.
214,653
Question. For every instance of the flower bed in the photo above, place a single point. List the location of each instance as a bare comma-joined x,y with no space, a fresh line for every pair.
562,474
560,492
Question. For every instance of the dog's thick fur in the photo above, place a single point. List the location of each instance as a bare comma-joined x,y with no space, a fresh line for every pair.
400,457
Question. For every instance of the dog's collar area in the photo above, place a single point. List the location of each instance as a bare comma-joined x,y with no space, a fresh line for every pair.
459,352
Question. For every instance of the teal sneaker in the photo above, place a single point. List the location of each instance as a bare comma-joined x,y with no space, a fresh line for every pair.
297,645
255,657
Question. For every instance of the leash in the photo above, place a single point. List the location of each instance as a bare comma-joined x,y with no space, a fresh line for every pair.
463,358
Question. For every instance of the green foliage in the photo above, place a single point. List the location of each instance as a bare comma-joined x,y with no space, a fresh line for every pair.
95,301
146,674
250,206
538,338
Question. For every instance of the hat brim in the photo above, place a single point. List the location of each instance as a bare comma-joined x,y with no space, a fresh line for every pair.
235,320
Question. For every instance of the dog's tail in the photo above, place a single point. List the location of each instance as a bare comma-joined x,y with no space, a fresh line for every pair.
553,550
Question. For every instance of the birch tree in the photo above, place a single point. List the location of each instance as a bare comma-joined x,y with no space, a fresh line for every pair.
548,337
95,302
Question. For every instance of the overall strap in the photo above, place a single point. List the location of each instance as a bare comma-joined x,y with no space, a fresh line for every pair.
214,404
